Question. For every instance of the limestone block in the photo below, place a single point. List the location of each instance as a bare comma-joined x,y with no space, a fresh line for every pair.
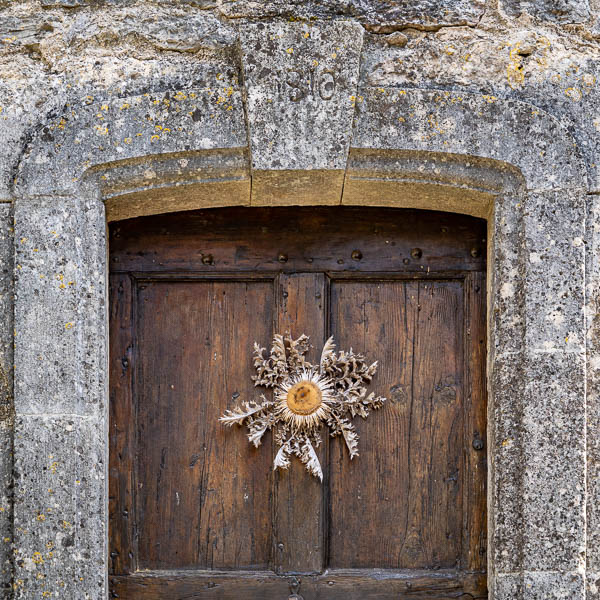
6,401
60,512
505,435
554,462
506,586
6,305
522,62
507,297
426,180
593,585
558,11
593,394
94,133
537,471
554,272
6,512
300,83
183,181
373,12
539,586
474,124
64,3
553,586
60,318
169,27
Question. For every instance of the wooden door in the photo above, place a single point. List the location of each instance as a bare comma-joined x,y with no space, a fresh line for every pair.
195,510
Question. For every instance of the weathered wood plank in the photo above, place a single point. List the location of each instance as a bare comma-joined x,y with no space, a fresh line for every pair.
399,502
334,585
122,424
298,496
293,239
475,409
203,490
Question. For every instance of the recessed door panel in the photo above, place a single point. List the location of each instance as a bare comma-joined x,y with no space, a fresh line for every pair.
400,502
206,499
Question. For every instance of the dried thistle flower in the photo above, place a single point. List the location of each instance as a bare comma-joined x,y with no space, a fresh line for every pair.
304,397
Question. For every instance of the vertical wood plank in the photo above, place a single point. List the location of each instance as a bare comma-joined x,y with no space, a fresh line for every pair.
475,514
121,426
298,496
399,501
369,494
204,498
433,537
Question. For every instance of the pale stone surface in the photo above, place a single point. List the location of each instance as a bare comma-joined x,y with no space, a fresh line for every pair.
126,128
506,438
6,400
429,180
593,585
554,284
562,11
428,13
463,123
540,586
553,586
532,62
553,462
60,350
593,395
6,306
60,510
181,181
300,79
507,247
300,82
507,586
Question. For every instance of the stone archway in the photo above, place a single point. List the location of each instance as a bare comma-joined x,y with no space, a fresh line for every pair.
504,160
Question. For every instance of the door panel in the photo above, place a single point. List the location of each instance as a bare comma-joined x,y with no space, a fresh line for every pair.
205,500
197,511
410,472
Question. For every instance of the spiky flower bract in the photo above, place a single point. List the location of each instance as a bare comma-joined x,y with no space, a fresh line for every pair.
305,397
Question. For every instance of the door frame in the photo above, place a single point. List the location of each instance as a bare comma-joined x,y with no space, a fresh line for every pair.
519,194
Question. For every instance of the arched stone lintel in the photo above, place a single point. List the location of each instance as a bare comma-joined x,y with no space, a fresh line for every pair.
171,182
428,180
92,136
209,179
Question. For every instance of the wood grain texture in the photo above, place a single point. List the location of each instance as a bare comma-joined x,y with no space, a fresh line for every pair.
195,510
296,239
204,497
333,585
299,508
122,443
398,504
475,420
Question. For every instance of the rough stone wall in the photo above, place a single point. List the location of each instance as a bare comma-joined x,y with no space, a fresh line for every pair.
6,396
58,54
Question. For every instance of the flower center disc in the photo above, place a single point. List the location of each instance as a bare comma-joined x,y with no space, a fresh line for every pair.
304,398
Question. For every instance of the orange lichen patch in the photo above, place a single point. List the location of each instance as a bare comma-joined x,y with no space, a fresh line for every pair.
304,398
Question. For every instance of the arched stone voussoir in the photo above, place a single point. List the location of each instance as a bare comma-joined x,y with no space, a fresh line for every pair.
90,134
482,126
